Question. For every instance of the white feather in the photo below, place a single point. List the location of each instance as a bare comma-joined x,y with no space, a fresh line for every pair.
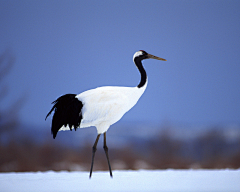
138,53
104,106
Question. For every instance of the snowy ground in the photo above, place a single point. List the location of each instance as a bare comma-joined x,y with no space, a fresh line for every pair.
143,180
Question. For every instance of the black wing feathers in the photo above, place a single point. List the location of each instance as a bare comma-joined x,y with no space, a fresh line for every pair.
67,111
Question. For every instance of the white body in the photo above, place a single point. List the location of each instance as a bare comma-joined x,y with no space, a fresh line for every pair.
105,106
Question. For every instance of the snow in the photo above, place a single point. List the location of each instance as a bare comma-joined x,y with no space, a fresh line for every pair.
142,180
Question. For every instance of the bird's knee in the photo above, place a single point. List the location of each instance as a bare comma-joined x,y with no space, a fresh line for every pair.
105,148
94,149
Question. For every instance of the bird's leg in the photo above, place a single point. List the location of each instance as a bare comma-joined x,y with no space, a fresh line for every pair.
94,149
106,152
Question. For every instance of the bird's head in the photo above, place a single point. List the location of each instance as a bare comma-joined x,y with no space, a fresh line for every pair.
141,55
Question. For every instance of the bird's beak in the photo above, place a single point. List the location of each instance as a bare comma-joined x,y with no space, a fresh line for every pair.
155,57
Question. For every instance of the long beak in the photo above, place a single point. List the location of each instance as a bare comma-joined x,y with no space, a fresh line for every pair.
155,57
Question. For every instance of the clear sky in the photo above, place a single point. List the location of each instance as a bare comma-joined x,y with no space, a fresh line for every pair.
71,46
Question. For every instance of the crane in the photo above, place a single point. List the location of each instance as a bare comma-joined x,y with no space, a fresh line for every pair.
100,107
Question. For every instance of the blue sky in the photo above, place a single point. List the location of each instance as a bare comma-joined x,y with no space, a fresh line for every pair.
71,46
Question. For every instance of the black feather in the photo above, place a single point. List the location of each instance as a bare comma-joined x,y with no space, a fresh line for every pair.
67,111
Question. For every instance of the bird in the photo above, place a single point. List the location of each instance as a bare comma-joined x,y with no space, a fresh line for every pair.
100,107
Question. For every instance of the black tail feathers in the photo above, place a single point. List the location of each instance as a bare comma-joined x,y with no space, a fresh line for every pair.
67,111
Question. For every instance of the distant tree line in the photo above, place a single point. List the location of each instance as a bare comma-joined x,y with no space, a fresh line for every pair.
209,151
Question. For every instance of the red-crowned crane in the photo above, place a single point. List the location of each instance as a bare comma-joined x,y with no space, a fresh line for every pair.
99,107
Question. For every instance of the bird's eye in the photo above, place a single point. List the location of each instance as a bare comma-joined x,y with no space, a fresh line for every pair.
143,52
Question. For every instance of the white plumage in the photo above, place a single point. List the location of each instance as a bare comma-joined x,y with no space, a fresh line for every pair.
105,106
100,107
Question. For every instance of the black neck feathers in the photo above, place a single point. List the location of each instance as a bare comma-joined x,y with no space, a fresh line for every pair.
142,71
